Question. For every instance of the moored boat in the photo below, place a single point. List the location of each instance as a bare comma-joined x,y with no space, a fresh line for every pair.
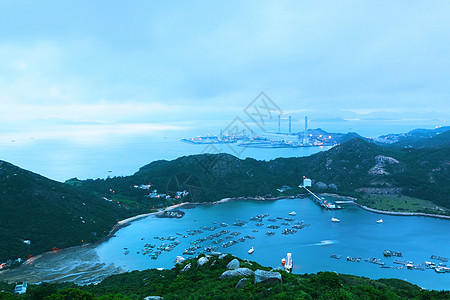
380,221
336,220
251,250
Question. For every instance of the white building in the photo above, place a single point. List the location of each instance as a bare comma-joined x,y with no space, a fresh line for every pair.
306,182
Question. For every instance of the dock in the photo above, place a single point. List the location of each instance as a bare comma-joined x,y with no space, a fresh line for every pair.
319,200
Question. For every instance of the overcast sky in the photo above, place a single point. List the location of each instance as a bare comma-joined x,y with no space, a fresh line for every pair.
116,62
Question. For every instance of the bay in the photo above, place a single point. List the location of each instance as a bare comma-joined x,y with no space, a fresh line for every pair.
357,235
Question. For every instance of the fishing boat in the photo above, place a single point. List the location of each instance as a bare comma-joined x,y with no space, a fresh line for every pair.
380,221
336,220
251,250
292,213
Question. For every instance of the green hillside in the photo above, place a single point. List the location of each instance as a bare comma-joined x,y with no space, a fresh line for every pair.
355,168
48,213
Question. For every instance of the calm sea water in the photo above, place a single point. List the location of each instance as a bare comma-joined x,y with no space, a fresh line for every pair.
356,235
63,151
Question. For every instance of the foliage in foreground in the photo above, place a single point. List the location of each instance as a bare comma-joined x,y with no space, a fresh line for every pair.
204,283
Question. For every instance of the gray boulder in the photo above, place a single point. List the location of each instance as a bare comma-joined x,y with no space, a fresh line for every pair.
216,254
332,186
236,272
234,264
267,277
153,298
186,267
201,261
241,283
222,256
321,185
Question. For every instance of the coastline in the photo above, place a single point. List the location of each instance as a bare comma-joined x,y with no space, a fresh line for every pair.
395,213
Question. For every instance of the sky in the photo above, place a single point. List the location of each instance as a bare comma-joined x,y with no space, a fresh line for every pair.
102,67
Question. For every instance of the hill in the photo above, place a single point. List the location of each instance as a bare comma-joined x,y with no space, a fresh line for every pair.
355,168
419,138
48,214
209,278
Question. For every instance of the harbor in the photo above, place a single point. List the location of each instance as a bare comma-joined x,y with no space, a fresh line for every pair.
236,226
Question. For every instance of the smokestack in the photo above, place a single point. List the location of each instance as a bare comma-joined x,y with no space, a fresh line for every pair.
279,125
290,127
305,134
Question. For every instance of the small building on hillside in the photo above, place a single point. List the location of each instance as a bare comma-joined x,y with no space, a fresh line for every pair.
306,182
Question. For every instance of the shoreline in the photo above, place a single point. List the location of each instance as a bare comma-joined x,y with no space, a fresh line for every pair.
395,213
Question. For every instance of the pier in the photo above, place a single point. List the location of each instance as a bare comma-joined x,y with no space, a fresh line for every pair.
319,200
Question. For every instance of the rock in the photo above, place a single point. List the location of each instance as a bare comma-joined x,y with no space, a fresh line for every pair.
213,263
321,185
332,186
186,267
267,277
236,272
216,254
234,264
278,269
222,256
241,283
153,298
201,261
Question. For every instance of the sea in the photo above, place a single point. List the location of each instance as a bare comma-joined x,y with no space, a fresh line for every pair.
356,235
64,151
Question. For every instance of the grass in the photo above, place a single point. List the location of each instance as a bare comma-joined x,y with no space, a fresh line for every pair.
401,203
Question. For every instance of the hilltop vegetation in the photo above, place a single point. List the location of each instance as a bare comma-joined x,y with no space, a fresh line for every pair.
354,168
203,282
48,213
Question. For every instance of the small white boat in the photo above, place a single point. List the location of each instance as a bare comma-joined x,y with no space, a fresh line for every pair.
336,220
292,213
380,221
251,250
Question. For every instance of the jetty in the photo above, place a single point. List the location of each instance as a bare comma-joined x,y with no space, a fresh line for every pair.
319,200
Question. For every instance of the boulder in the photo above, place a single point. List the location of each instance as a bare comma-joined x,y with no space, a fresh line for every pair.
201,261
213,263
267,277
241,283
234,264
186,267
236,272
153,298
321,185
216,254
278,269
332,186
222,256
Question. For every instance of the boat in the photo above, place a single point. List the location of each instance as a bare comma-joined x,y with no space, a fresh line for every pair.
292,213
333,219
251,250
380,221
